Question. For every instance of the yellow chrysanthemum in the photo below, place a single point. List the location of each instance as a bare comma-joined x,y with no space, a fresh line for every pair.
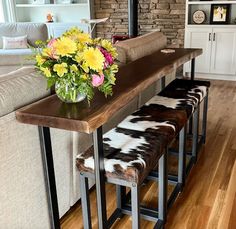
73,68
60,69
46,72
39,59
94,59
79,57
47,52
65,46
72,33
84,38
80,47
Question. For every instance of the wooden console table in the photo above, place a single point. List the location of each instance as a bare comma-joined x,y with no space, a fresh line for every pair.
132,79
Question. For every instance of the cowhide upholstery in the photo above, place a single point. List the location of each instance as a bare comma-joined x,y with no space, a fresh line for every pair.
133,148
129,154
157,119
187,93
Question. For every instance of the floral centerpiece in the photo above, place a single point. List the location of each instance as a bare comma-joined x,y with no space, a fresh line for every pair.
77,64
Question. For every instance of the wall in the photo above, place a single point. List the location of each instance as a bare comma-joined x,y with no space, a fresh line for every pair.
166,15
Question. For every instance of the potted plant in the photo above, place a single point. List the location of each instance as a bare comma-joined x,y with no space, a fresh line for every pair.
77,64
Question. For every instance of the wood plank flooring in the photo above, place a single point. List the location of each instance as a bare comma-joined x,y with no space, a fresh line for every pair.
209,198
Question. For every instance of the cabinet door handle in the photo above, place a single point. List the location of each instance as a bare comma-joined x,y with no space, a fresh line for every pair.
214,36
209,36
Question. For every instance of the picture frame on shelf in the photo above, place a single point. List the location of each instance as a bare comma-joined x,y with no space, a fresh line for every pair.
220,14
199,17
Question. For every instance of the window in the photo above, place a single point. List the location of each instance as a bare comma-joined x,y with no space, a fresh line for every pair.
1,12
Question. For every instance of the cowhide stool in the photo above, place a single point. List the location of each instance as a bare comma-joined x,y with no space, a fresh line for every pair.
193,93
165,117
130,155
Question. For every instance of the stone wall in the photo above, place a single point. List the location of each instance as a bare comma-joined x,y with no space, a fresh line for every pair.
166,15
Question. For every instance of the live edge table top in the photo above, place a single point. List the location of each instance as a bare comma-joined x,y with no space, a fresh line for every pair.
132,79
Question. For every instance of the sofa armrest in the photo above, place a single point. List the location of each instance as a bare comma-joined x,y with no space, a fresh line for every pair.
138,47
13,57
20,88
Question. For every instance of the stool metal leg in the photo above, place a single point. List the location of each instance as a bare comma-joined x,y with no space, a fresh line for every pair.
84,189
195,134
182,157
163,185
204,120
135,206
120,196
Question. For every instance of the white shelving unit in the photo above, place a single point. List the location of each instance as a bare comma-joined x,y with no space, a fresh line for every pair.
50,5
218,42
65,15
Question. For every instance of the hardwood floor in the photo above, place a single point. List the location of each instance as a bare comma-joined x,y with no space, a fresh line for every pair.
209,198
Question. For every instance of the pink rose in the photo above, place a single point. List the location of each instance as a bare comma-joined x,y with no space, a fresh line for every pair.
108,57
52,53
97,80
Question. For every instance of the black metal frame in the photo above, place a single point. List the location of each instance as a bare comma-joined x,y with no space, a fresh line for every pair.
193,69
100,177
49,175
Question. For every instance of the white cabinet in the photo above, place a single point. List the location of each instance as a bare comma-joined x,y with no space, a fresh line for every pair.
219,51
200,38
56,29
218,41
223,51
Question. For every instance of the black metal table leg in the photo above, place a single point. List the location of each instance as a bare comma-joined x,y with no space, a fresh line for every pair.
163,82
192,78
193,69
48,165
99,177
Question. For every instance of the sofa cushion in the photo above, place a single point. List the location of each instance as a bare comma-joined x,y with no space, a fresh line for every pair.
135,48
20,88
15,57
34,31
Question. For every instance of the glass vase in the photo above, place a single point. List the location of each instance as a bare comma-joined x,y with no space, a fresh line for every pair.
68,93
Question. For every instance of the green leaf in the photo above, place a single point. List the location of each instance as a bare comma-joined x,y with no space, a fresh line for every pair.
50,82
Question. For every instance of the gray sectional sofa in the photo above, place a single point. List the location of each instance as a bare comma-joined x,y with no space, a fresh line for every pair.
12,59
22,192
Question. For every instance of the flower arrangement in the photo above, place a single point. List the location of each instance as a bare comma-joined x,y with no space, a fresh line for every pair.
77,64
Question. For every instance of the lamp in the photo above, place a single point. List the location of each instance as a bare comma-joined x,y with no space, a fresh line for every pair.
93,22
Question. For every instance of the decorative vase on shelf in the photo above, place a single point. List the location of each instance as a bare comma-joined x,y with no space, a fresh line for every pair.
77,64
68,93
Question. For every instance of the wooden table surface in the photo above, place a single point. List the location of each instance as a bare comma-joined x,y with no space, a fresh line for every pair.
132,79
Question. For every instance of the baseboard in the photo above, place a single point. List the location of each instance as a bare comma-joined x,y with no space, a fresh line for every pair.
213,76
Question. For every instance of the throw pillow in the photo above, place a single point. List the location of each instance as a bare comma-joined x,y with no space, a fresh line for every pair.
15,42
